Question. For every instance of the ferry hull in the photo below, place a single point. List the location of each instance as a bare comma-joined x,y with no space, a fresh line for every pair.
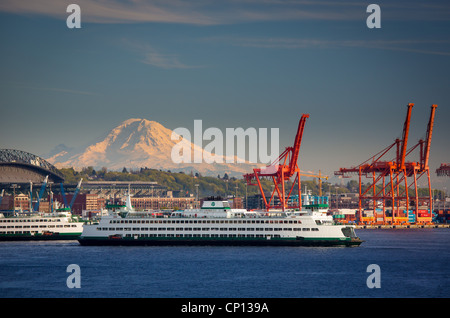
217,242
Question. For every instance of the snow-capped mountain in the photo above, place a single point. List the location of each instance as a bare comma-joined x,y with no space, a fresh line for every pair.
137,143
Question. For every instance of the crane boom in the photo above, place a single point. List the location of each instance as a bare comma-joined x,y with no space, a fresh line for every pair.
75,194
318,176
63,194
425,156
44,184
404,141
297,144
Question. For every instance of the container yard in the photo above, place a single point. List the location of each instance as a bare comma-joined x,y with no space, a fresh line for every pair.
393,183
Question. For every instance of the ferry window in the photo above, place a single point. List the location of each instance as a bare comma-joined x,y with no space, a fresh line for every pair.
269,229
314,229
305,229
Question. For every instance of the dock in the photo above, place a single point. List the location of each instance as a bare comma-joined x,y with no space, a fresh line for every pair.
403,226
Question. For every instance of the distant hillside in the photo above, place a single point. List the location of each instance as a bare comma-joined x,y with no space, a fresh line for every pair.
179,181
220,185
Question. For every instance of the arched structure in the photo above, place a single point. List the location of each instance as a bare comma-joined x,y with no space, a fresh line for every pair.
18,166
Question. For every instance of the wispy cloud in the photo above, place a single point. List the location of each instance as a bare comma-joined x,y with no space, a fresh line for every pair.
161,60
434,47
114,11
201,12
150,55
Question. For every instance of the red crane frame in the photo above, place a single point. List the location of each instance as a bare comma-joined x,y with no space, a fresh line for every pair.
280,171
396,171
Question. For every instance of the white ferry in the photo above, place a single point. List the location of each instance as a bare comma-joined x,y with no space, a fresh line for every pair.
59,225
215,223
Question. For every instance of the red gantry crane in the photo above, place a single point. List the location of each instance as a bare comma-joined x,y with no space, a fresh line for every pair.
280,171
396,172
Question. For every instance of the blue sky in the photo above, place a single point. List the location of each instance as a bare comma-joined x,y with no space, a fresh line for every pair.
230,63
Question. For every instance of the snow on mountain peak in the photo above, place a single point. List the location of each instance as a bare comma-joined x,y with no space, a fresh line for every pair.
137,143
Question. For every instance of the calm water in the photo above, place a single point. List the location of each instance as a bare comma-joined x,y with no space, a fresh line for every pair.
413,263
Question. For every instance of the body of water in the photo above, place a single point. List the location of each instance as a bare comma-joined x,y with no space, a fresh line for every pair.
412,263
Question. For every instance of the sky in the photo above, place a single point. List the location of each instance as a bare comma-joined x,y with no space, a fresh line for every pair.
230,63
